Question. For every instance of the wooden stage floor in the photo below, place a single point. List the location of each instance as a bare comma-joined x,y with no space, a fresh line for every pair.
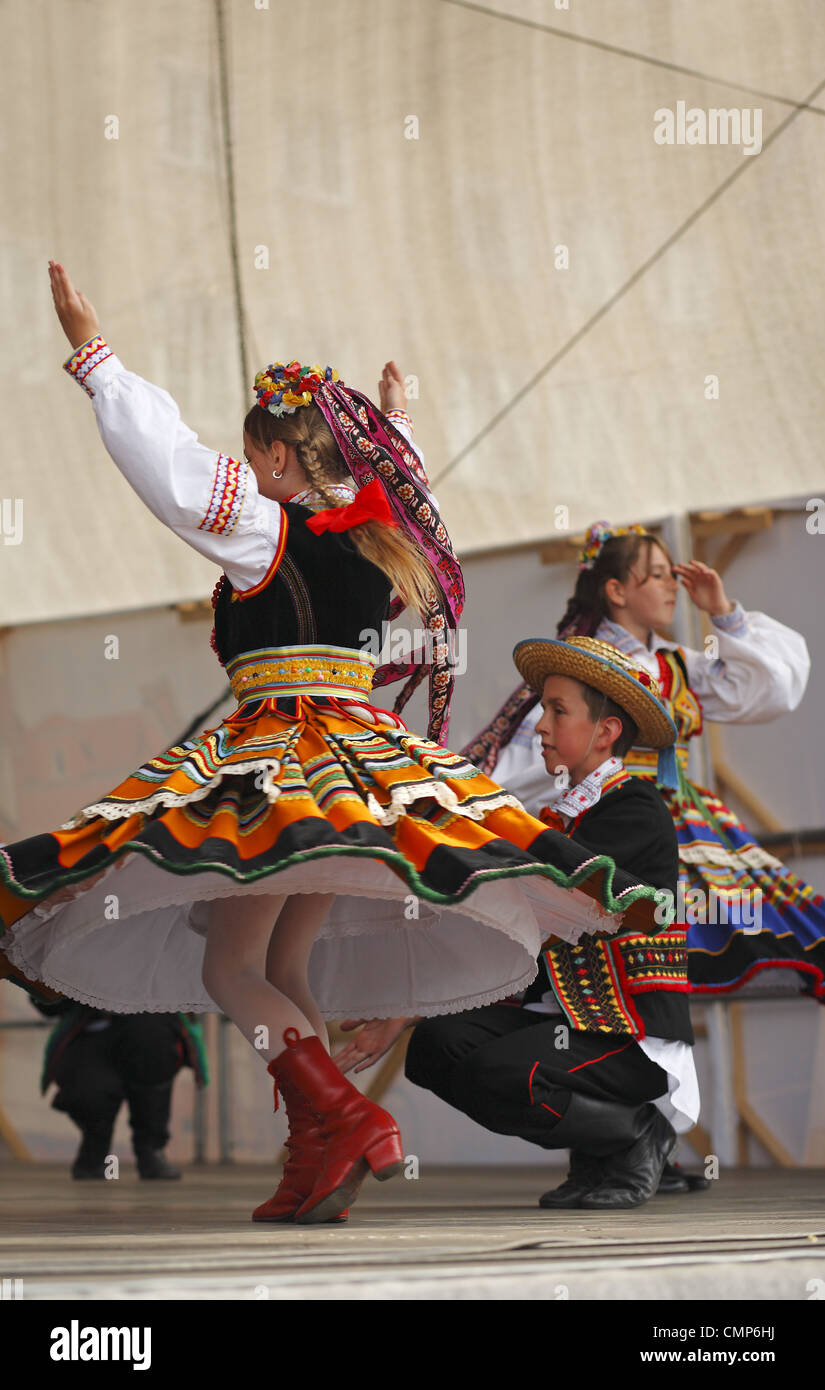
452,1233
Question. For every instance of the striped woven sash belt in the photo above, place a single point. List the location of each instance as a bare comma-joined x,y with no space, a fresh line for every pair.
317,669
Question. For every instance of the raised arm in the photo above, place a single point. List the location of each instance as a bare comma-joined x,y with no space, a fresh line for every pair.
208,499
762,667
393,401
760,673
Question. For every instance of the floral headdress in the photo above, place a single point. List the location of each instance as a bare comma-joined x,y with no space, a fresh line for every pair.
284,386
598,533
373,449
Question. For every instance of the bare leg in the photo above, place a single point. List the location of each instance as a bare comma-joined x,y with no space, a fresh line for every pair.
290,946
234,972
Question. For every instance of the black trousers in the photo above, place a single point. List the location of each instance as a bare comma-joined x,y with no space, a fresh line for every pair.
514,1071
134,1058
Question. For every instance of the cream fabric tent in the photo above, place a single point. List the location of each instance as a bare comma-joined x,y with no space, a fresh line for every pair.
354,180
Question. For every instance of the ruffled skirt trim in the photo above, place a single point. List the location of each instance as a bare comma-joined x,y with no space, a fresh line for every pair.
445,887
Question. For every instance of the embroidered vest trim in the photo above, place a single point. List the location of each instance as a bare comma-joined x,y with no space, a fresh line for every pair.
595,981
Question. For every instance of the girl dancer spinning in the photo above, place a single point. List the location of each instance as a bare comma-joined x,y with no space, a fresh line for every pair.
626,589
308,818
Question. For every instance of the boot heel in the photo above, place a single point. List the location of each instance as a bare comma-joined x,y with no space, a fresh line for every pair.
386,1158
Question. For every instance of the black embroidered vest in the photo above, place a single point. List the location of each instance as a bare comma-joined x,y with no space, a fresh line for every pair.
319,590
626,983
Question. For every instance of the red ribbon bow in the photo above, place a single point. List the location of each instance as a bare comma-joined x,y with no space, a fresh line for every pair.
370,504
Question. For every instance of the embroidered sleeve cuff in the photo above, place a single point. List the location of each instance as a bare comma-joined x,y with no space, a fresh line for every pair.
89,358
226,501
402,415
735,623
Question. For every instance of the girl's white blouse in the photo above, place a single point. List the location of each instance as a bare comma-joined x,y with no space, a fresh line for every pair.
761,672
208,499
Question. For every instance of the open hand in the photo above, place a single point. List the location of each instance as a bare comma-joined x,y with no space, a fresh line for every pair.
391,389
76,314
704,586
376,1036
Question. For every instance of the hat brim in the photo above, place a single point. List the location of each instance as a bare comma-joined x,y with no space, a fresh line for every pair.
536,658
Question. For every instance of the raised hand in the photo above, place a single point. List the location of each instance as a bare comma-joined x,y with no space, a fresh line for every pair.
704,586
391,389
76,314
376,1037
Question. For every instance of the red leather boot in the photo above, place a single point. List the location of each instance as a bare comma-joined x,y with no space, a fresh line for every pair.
359,1136
306,1145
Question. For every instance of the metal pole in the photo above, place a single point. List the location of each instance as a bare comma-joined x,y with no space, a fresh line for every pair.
199,1120
722,1102
224,1115
687,632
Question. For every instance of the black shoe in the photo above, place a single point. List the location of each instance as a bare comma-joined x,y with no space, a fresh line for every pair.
632,1176
586,1172
689,1182
672,1179
152,1163
149,1106
90,1160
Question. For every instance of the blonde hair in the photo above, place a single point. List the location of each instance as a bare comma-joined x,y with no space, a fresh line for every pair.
316,449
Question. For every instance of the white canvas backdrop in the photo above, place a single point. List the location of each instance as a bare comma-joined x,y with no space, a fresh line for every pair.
262,201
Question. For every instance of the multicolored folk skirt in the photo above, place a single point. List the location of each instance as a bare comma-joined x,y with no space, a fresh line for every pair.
445,887
746,913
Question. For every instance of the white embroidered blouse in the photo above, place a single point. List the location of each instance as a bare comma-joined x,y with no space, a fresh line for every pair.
761,672
207,498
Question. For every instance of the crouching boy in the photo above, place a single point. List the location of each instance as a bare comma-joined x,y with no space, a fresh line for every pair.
597,1056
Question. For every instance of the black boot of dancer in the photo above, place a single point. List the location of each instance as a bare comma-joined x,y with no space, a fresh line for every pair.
617,1152
96,1145
149,1107
632,1176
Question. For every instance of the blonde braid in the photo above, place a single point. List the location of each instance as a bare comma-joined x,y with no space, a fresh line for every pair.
316,474
323,465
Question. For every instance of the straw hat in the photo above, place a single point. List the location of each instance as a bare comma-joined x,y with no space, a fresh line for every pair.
599,664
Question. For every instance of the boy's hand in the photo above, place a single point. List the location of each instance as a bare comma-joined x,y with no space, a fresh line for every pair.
705,588
76,314
391,389
376,1037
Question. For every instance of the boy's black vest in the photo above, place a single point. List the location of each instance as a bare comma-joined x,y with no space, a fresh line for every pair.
627,983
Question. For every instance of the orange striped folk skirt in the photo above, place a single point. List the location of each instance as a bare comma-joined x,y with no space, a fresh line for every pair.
445,887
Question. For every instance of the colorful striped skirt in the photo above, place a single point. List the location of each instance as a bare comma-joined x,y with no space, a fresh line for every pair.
752,924
445,888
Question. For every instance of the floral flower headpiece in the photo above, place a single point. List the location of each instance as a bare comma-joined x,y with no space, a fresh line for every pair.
598,533
284,386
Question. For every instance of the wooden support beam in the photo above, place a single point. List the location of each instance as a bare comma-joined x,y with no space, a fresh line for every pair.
730,550
561,552
194,609
793,846
391,1067
731,781
738,520
566,549
12,1140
